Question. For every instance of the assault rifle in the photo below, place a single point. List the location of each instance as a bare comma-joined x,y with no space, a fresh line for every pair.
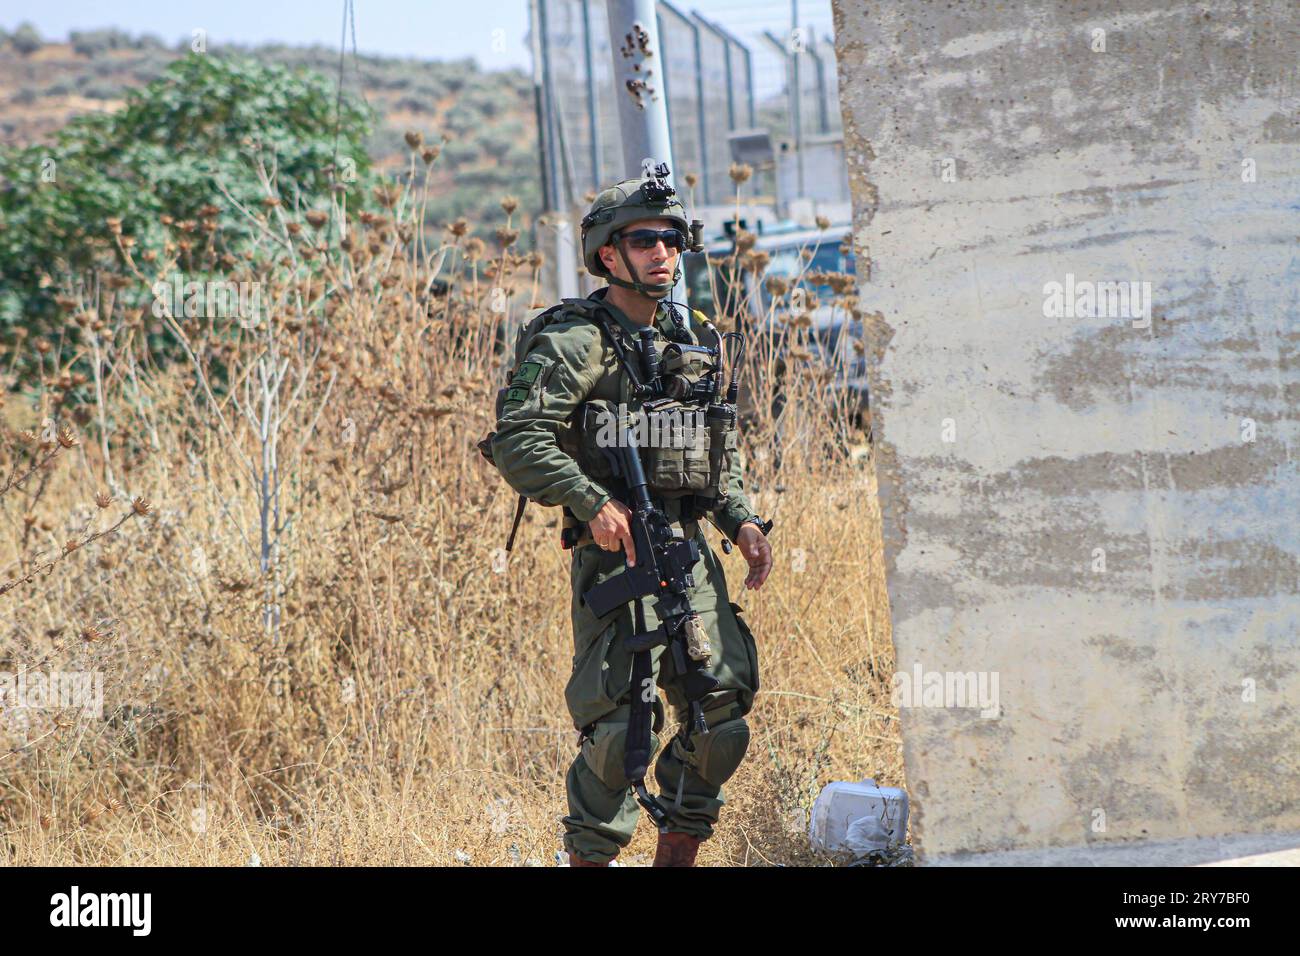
663,572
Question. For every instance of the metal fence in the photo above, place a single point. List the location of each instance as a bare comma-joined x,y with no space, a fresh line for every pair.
682,82
708,84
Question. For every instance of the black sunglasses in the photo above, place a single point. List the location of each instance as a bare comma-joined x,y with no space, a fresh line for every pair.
649,238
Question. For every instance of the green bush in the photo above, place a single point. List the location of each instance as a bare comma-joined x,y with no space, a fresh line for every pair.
462,119
496,146
485,102
99,90
459,153
26,40
90,43
415,104
162,154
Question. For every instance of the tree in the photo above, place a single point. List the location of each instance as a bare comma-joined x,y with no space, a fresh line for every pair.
180,144
26,40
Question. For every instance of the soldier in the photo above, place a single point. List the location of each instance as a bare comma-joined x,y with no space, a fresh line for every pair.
634,237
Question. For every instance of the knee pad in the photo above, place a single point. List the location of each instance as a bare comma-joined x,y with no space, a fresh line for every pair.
605,749
717,754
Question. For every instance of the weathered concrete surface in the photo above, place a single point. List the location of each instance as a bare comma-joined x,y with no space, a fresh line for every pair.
1270,849
1149,690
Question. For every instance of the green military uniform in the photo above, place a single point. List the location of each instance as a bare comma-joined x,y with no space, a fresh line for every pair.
537,448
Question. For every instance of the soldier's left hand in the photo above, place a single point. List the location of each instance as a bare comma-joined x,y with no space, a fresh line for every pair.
753,544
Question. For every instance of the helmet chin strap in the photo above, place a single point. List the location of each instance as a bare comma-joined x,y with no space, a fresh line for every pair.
652,290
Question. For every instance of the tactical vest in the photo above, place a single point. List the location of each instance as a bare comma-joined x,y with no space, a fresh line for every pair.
687,445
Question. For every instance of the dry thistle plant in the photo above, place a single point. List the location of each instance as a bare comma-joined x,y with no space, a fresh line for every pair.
318,652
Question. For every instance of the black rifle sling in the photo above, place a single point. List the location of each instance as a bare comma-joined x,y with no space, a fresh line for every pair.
636,753
603,322
514,525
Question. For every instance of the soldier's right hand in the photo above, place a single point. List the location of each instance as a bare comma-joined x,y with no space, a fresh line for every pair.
612,527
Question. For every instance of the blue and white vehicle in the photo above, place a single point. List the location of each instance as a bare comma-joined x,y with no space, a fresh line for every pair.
730,289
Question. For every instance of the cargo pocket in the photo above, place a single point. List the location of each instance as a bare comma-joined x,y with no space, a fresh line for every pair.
746,698
599,430
602,676
587,693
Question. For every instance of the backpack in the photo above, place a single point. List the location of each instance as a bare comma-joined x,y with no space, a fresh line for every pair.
523,344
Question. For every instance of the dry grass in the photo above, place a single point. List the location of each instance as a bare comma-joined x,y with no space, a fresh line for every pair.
308,652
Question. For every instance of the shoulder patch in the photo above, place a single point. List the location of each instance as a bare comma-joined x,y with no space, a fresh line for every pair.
527,373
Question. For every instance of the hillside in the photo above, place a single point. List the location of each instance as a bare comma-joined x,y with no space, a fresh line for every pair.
483,122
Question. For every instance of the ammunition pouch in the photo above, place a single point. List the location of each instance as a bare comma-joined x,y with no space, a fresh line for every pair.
721,425
677,446
686,447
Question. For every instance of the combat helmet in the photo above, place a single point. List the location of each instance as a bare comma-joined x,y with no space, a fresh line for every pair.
627,202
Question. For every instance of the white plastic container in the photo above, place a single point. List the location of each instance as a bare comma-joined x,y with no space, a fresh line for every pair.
858,818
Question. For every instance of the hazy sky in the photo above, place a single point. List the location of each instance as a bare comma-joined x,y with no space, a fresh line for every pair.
427,29
491,31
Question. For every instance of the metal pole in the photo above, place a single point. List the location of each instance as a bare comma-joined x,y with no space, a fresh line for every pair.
822,121
558,199
640,89
591,97
833,119
539,101
797,117
731,87
564,254
541,143
749,86
699,104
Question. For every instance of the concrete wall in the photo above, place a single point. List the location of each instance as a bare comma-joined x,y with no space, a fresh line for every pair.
1099,512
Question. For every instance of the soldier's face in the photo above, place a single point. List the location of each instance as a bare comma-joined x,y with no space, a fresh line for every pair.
652,265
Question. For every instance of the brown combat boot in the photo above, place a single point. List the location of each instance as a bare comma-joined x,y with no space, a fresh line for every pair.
676,849
575,860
